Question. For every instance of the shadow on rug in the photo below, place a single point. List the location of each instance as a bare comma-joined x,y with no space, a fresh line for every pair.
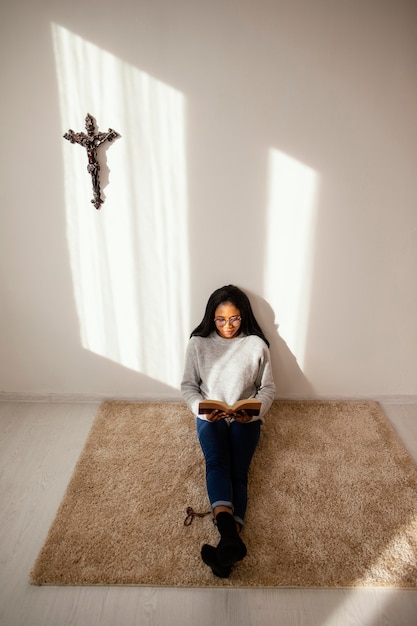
332,502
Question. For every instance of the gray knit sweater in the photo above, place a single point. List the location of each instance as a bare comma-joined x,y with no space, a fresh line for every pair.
228,370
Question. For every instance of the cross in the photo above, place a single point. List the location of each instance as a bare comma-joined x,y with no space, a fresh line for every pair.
91,141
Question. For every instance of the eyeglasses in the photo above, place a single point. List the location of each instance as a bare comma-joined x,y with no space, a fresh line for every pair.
222,321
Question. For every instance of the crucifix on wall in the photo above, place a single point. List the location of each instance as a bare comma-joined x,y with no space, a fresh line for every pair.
91,141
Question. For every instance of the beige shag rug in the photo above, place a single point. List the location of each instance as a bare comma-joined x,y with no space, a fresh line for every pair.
332,502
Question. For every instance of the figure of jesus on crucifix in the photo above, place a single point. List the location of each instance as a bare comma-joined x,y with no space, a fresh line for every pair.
91,141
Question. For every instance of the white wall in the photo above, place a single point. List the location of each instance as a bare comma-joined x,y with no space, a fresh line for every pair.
269,144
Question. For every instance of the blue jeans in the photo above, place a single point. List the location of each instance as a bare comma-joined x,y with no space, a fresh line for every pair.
228,450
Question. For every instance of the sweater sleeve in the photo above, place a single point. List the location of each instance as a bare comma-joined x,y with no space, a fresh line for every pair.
190,385
265,386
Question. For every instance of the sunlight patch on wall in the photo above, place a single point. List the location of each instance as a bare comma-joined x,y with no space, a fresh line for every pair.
290,237
129,260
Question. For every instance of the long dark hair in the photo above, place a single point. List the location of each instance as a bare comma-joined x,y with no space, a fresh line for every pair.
234,295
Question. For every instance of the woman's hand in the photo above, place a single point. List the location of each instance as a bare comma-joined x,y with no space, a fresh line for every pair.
242,417
216,415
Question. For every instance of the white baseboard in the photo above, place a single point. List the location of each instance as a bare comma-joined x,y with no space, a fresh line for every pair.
382,399
96,399
83,398
400,399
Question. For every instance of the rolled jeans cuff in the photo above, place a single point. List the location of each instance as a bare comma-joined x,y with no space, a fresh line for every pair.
222,503
237,518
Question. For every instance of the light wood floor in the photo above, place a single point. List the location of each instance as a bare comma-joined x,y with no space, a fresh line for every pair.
39,446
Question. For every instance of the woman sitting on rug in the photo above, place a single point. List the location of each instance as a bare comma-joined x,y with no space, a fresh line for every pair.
227,359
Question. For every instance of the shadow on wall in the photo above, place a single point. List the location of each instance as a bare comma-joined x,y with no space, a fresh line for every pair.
100,378
289,379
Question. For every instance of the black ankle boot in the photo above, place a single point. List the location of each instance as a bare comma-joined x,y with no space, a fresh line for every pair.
231,548
209,556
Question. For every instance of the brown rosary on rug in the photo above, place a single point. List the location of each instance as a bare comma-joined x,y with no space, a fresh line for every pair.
191,514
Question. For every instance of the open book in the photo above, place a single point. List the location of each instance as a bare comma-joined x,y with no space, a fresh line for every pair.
251,406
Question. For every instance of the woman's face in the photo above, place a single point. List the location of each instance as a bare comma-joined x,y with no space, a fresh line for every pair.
227,311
